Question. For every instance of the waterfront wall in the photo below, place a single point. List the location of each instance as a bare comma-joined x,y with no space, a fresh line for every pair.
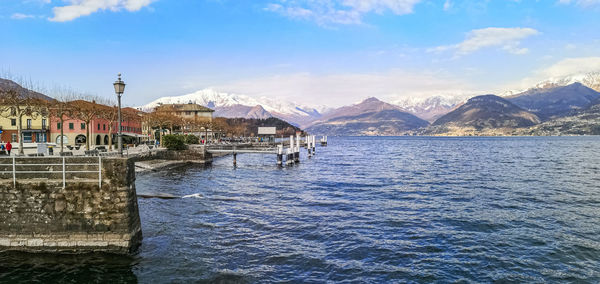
91,212
193,154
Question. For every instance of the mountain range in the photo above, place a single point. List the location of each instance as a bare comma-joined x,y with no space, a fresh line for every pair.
548,100
369,117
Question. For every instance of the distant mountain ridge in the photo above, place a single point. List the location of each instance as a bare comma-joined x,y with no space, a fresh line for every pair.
242,106
556,101
430,108
548,100
481,113
369,117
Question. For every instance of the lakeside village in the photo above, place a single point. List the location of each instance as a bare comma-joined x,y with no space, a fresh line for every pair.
37,125
65,188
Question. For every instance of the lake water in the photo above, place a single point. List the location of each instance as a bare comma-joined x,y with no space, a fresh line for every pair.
405,209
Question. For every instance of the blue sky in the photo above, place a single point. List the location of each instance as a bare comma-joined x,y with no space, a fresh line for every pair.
332,52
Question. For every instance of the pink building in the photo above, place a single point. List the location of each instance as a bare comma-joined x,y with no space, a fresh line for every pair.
74,130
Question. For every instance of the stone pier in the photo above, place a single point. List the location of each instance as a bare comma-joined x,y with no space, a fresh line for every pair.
89,211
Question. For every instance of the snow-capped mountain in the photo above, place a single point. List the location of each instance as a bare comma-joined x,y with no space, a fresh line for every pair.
236,105
590,80
430,108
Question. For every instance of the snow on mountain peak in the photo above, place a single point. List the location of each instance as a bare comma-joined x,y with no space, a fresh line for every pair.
215,99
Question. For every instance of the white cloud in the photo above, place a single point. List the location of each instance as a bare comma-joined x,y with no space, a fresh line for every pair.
19,16
507,39
571,66
326,12
560,69
447,5
80,8
584,3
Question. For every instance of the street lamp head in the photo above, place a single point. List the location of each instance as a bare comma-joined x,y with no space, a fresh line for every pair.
119,86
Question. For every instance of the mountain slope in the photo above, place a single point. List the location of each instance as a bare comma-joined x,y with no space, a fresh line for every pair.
242,111
10,85
583,122
555,101
370,117
481,113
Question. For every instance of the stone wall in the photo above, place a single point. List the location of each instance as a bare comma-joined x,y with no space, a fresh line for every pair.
193,154
39,215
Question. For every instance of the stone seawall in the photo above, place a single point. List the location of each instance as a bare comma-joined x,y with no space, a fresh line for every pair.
38,214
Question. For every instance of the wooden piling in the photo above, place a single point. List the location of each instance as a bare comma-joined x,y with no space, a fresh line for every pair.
279,155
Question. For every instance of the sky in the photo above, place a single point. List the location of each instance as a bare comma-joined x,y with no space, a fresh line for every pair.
315,52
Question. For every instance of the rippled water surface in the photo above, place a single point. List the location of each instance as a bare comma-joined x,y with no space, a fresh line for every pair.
365,210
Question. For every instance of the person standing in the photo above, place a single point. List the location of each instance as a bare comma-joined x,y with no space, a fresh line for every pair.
8,147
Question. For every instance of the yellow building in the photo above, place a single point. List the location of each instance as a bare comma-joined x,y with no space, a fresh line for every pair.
35,128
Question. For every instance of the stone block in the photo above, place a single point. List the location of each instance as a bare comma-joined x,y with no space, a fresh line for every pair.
35,242
4,242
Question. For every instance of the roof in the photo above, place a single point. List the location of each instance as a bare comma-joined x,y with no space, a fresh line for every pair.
183,107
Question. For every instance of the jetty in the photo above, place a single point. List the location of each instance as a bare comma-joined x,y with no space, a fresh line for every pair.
292,152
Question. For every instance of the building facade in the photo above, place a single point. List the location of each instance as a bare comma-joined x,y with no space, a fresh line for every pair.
35,128
74,130
191,111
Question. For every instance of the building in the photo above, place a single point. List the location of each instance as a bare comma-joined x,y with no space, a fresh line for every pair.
74,130
35,128
190,111
193,116
267,134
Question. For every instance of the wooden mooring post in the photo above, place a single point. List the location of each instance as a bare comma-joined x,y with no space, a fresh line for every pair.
290,152
280,155
308,145
297,149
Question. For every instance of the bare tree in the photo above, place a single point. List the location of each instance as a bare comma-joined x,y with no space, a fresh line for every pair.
162,121
111,115
87,111
17,101
61,110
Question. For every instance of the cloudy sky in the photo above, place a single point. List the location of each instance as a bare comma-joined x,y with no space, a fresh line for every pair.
332,52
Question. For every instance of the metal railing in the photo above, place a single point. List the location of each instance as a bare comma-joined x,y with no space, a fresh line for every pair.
12,168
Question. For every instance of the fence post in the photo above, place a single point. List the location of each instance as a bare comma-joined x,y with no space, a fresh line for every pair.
64,169
99,172
14,174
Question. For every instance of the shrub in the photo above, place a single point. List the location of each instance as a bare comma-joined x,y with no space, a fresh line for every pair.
191,139
174,142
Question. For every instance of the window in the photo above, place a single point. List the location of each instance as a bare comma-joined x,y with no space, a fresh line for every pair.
40,137
98,126
13,121
82,126
28,123
104,127
14,137
58,125
71,125
43,124
65,141
27,137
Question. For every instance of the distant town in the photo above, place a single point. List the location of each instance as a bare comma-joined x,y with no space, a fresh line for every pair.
29,118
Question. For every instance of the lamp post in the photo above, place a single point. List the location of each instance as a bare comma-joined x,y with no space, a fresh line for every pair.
119,89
